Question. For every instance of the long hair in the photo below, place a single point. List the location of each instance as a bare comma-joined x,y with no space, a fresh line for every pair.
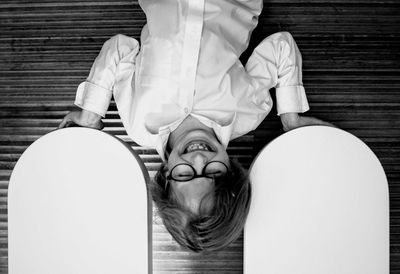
207,231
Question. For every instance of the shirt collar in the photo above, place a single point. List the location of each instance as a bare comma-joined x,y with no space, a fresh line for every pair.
223,132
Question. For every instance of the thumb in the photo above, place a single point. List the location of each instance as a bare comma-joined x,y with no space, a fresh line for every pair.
100,125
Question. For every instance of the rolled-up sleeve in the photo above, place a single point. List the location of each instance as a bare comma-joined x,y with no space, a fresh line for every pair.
279,60
95,93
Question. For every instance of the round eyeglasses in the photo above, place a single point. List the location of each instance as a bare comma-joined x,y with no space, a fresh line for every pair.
186,172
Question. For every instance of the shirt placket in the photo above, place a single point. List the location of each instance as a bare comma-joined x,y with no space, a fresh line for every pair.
190,53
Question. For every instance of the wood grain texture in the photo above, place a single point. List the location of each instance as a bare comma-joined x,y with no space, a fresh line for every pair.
351,75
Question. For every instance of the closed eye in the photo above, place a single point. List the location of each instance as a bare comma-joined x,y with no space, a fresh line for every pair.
214,174
184,176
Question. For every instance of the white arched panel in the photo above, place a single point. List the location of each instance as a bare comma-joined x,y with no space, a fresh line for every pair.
78,203
320,204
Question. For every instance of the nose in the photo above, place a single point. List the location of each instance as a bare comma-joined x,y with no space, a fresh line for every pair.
198,159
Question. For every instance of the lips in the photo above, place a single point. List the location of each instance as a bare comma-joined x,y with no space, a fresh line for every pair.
197,146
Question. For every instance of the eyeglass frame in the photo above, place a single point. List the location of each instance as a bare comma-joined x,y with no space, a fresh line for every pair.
195,175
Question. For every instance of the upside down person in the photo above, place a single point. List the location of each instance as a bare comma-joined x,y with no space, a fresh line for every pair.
185,93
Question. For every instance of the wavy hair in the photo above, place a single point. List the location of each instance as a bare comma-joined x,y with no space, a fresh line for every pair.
208,231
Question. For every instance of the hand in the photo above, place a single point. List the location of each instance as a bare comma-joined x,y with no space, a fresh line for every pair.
293,120
82,118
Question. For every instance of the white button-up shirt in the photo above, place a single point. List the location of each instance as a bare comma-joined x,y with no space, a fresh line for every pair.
189,64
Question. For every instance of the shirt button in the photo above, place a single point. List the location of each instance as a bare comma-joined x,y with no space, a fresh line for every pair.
186,110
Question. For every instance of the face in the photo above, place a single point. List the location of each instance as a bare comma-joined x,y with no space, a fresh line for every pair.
196,148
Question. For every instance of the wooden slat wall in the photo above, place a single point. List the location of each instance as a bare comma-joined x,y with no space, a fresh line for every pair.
351,74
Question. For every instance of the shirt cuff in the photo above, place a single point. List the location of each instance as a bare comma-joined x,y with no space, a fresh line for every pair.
93,98
291,99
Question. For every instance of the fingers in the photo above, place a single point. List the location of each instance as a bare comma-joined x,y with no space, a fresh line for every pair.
86,121
64,122
69,119
82,118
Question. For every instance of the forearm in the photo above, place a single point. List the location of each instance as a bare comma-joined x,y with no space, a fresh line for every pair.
293,120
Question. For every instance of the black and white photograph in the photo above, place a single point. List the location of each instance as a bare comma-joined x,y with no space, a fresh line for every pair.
200,136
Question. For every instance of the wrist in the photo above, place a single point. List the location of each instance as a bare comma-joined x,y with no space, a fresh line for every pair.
90,117
290,120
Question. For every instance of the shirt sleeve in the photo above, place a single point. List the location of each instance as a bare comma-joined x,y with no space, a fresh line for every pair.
277,60
95,93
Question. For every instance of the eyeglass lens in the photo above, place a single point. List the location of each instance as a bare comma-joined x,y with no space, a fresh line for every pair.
184,172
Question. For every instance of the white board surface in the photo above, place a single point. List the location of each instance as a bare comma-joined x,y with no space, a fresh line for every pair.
77,203
320,204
